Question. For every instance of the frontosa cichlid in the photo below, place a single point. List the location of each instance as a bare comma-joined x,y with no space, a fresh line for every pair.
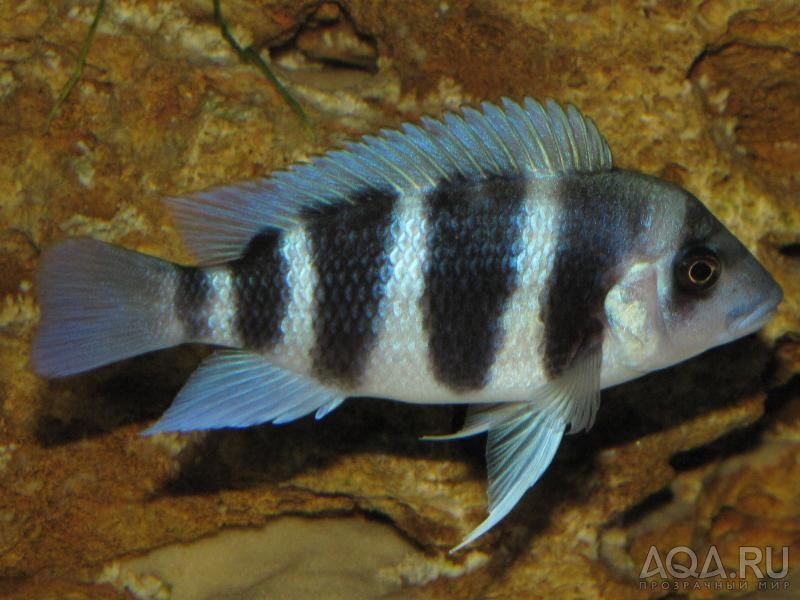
495,258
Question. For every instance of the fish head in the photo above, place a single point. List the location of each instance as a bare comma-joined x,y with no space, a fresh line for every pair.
712,290
690,285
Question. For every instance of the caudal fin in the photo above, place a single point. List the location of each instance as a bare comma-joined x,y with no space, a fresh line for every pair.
100,304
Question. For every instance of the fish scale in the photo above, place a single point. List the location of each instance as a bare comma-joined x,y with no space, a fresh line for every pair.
349,252
469,277
191,296
221,308
494,258
259,278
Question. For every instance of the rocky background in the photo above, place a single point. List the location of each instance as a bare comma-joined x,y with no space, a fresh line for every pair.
706,94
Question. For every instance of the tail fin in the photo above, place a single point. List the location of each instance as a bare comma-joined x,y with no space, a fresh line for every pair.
100,304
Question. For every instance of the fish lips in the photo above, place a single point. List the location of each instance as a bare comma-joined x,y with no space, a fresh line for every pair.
745,320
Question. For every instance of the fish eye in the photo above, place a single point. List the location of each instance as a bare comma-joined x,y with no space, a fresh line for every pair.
697,269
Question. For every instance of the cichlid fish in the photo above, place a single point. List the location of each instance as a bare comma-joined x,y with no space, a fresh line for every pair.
495,258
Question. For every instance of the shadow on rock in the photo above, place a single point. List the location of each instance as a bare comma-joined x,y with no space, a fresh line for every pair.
245,458
713,381
91,404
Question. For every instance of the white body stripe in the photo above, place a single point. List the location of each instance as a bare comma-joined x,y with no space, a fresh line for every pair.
518,368
222,303
293,351
398,366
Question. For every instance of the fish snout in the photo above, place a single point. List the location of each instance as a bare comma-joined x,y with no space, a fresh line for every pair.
748,318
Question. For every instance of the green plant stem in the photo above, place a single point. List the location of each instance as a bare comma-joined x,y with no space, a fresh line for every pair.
78,72
250,55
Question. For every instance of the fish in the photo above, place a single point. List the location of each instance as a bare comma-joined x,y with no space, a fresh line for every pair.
495,258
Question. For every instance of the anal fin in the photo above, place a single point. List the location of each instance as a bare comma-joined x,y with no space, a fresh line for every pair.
235,388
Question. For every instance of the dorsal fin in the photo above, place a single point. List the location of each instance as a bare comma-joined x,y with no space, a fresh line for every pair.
528,140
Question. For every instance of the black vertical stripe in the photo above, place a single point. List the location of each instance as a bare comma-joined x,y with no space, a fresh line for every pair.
350,249
473,241
191,301
262,292
699,226
600,219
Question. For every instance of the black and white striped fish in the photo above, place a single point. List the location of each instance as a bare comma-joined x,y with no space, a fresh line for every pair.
495,258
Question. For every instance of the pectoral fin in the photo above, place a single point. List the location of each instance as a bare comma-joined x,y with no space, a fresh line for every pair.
524,436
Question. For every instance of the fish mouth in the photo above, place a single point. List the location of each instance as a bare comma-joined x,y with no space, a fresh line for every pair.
747,321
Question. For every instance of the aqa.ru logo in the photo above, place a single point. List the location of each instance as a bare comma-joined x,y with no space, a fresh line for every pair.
749,557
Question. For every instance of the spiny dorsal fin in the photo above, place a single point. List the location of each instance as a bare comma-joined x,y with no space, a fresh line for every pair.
528,140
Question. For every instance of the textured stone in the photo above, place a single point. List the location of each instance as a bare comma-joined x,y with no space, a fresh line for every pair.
288,558
706,94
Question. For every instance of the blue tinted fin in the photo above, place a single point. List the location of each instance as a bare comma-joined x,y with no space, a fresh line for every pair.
518,451
524,436
527,140
324,411
100,304
235,388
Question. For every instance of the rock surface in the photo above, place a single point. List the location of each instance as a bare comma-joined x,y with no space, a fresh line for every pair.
706,94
